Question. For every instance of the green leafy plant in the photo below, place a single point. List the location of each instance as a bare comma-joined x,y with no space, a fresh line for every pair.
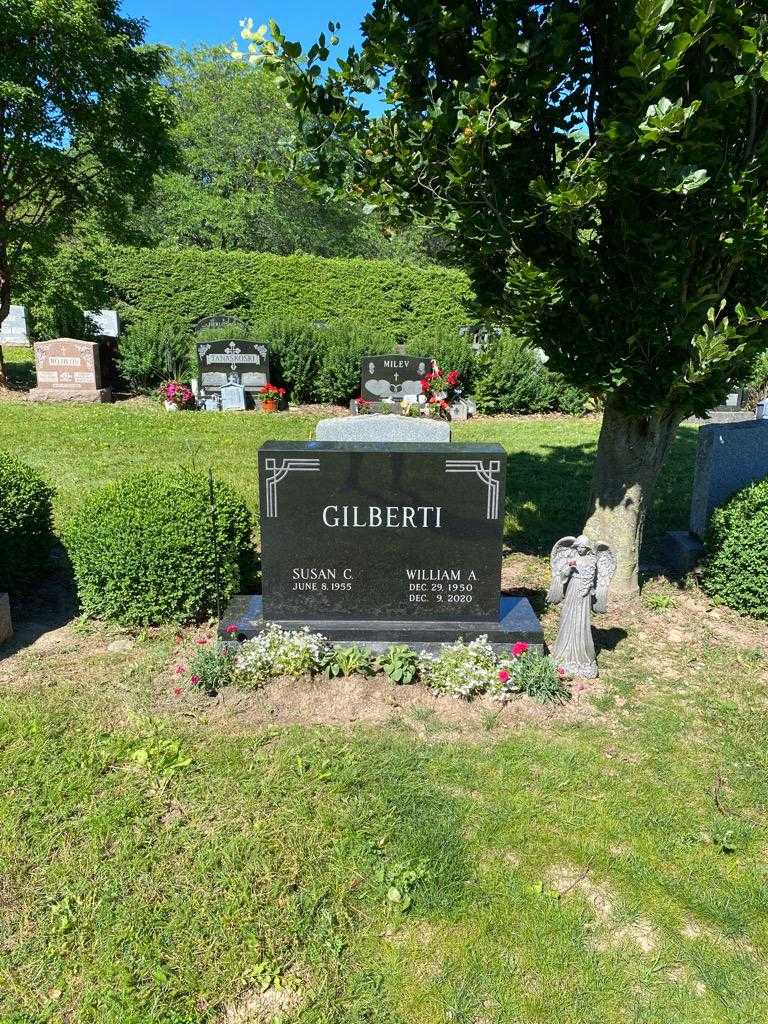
659,602
511,378
212,665
26,524
347,661
151,548
736,566
533,675
400,663
279,652
463,670
153,351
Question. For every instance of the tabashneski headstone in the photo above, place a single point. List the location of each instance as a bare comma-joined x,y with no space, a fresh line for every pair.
14,330
384,543
231,362
233,397
728,457
374,427
392,378
69,370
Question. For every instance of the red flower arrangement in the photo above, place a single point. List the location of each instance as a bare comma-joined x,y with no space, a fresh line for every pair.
363,405
271,391
518,649
441,388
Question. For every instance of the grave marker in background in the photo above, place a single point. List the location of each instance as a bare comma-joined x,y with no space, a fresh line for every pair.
69,370
231,362
14,330
392,377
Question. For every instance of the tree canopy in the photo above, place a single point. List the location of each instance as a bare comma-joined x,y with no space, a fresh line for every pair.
84,122
602,169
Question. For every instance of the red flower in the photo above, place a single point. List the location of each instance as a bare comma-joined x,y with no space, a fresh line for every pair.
201,640
231,630
177,691
504,676
180,670
443,404
453,378
518,649
194,680
561,672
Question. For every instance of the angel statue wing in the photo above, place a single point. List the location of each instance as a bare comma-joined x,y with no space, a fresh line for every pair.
561,554
606,567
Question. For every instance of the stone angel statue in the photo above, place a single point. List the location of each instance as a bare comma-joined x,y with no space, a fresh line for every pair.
581,574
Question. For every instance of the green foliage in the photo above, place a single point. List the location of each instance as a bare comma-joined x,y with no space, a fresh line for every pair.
386,301
400,663
531,674
26,532
757,382
152,351
296,355
84,126
625,230
736,568
511,378
347,661
451,351
145,551
213,666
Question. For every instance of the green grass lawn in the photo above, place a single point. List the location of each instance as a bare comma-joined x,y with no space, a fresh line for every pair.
549,468
178,865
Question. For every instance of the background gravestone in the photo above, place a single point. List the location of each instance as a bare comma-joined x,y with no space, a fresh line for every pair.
233,397
392,377
231,362
219,320
14,330
382,543
68,370
728,457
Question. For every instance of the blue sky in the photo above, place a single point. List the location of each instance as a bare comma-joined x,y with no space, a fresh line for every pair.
218,21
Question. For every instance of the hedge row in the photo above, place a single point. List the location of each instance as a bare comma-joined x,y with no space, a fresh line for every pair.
390,302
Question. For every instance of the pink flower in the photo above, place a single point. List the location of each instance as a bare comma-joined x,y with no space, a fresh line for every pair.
518,649
180,670
231,630
201,640
177,691
561,672
504,676
194,680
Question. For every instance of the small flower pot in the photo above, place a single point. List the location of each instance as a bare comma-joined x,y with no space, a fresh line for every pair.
170,407
269,405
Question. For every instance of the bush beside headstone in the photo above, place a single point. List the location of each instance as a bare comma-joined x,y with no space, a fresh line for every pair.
736,569
150,549
26,531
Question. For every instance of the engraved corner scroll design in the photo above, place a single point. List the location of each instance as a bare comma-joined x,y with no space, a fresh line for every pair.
486,474
279,471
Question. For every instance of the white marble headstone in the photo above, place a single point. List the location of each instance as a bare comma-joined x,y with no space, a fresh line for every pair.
106,322
14,330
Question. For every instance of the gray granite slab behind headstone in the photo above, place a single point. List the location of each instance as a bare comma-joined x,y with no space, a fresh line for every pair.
375,427
106,322
729,456
14,330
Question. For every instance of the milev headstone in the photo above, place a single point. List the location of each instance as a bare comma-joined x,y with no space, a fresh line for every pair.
384,543
231,362
14,329
392,377
68,370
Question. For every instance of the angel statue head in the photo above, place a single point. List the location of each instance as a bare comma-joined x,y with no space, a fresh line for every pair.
583,545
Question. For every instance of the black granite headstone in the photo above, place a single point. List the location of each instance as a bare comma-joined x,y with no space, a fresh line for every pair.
384,543
393,377
231,362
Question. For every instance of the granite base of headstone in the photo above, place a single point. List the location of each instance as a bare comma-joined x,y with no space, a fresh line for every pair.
728,457
372,427
6,625
68,370
680,551
384,543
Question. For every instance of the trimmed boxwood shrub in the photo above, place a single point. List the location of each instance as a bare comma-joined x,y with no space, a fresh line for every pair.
736,568
143,548
26,530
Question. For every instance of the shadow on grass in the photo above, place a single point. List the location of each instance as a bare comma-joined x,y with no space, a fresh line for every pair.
548,494
46,607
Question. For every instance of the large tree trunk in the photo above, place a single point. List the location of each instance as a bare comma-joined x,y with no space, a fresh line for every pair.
630,453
